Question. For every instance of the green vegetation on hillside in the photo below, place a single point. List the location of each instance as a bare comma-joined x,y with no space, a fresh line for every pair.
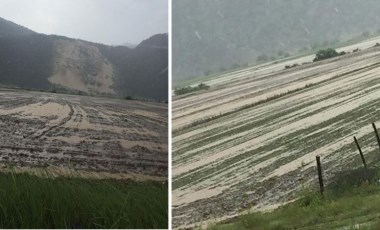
27,60
142,71
325,54
28,201
225,32
8,28
190,89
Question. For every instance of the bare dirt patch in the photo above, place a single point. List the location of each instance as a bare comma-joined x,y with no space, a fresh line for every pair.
72,65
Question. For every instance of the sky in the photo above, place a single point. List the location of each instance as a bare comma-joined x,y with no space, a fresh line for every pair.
112,22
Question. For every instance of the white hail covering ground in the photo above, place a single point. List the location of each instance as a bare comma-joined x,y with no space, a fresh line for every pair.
259,157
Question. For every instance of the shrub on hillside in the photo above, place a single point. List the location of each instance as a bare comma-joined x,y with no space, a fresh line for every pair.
291,66
325,54
342,53
189,89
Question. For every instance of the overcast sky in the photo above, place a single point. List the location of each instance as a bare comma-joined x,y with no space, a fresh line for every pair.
110,22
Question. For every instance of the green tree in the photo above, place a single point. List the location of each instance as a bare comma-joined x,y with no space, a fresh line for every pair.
325,54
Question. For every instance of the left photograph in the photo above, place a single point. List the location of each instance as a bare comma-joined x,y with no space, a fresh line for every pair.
84,114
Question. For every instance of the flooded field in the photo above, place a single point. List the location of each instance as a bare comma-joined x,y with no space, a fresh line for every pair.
249,143
95,137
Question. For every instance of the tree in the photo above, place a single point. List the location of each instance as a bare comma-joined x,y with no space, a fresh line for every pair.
189,89
325,54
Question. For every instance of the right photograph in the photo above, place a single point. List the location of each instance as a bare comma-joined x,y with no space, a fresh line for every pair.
275,114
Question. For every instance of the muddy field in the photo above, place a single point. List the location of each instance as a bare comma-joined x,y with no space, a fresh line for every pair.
99,137
249,143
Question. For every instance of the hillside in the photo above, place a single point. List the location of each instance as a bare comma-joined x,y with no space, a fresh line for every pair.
215,35
146,66
50,62
10,28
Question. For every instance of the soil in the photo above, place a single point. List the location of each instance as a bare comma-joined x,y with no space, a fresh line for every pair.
93,135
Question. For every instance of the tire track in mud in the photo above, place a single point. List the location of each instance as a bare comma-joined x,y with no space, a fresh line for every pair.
91,134
64,121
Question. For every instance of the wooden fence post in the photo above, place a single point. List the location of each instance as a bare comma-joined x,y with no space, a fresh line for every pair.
320,178
361,153
377,134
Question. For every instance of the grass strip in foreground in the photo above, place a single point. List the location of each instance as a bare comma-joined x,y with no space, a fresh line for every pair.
28,201
351,203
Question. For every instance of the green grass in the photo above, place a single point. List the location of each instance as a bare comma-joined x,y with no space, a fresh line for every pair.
350,202
28,201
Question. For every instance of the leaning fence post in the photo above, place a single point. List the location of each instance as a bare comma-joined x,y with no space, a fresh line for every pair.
320,178
361,153
377,134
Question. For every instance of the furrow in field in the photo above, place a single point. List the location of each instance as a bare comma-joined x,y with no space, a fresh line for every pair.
265,149
204,160
277,86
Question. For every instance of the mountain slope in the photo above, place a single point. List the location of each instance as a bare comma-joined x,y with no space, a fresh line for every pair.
26,61
81,66
212,35
148,60
8,28
38,61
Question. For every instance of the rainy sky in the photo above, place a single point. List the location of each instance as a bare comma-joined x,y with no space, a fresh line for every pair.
111,22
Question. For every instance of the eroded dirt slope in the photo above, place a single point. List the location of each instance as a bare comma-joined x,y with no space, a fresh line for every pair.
81,66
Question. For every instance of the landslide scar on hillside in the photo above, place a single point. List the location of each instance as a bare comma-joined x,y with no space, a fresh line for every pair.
80,66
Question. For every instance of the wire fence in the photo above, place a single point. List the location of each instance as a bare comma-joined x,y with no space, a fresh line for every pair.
368,171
